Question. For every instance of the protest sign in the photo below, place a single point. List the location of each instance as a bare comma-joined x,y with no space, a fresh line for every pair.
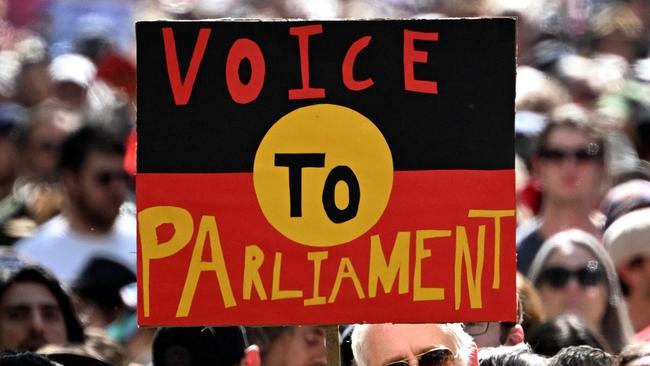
324,172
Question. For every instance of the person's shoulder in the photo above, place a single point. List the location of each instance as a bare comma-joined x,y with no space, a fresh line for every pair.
527,231
46,234
125,223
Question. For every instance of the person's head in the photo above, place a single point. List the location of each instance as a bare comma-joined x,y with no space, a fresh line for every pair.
72,74
217,346
574,275
289,346
637,354
569,158
627,241
617,30
518,355
93,176
624,198
98,290
25,359
582,356
412,344
35,310
494,334
38,140
564,331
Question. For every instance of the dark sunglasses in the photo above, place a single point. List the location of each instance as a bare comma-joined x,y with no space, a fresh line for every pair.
106,177
591,152
439,356
590,275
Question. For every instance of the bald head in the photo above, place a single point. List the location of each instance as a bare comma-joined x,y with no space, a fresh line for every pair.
380,344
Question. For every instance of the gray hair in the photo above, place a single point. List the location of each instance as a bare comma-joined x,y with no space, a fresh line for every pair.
462,341
615,324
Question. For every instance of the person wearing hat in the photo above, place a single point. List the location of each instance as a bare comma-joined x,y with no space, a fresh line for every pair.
72,75
35,311
628,243
217,346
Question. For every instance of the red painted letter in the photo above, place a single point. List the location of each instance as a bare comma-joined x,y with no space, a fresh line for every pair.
303,33
348,65
183,89
241,49
411,56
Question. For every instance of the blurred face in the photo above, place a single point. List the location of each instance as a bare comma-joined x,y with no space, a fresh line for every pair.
573,282
30,317
570,167
301,346
98,189
42,150
74,95
390,343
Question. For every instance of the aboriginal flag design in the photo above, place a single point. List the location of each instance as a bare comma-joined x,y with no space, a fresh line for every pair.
208,94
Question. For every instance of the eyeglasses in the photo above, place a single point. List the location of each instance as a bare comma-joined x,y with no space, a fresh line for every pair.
106,177
591,152
558,277
476,328
439,356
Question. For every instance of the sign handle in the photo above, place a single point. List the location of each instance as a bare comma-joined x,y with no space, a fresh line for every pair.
332,344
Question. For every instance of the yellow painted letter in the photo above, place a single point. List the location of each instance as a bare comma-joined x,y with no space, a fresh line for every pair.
207,230
276,293
497,215
386,273
473,278
253,260
426,293
346,270
317,258
148,220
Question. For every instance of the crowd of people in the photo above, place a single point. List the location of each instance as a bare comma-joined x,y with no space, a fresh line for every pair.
67,167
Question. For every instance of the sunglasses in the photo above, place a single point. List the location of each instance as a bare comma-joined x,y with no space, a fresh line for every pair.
590,275
439,356
591,152
106,177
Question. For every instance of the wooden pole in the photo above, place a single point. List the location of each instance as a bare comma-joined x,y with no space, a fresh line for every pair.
332,345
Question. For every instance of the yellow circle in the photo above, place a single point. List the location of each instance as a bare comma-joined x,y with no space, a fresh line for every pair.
347,139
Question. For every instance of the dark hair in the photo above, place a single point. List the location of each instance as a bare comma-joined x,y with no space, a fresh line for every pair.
573,117
24,359
90,138
100,281
582,356
36,274
519,355
218,346
632,353
264,337
567,330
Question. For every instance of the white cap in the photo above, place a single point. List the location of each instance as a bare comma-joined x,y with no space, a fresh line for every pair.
73,68
629,236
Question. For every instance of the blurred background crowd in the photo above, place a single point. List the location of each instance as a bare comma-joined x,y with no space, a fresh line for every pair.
67,167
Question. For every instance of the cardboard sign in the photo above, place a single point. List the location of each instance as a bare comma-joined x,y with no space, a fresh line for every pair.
324,172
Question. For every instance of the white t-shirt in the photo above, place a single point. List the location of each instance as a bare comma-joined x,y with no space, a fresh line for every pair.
65,252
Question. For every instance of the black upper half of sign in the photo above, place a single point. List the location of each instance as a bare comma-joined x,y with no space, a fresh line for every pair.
468,124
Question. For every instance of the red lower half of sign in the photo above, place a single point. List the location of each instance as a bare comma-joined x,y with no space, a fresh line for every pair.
443,251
